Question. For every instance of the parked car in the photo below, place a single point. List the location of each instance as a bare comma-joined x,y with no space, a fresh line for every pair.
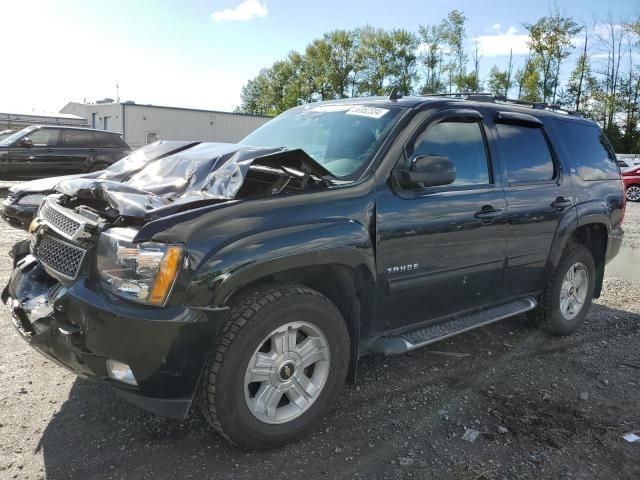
47,150
6,133
631,179
628,161
250,278
23,200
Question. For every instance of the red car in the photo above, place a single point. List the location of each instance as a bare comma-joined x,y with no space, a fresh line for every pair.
631,179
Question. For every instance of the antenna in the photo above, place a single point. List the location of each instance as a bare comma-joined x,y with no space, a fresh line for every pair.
395,94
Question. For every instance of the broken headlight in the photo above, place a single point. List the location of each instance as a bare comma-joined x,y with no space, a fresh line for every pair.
143,272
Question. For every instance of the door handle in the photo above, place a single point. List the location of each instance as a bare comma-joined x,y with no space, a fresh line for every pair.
488,213
561,203
49,150
92,150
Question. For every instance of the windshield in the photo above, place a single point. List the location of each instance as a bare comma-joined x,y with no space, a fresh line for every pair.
12,138
342,138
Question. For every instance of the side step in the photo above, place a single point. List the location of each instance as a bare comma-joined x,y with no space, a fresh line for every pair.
419,338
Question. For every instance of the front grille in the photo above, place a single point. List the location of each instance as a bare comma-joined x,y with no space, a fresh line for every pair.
59,256
59,221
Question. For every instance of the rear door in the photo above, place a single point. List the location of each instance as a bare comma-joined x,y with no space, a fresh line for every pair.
76,148
539,195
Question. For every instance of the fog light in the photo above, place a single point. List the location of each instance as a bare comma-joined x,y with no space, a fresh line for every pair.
121,372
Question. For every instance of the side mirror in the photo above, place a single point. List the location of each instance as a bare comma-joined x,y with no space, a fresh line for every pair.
25,142
431,171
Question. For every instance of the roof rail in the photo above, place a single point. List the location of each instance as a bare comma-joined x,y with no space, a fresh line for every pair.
493,98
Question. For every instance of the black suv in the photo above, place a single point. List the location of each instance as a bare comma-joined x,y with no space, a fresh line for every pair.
47,151
250,278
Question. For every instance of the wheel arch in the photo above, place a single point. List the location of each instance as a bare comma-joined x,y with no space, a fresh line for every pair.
350,288
594,236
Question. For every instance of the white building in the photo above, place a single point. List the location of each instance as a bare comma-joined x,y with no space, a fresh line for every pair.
143,124
17,121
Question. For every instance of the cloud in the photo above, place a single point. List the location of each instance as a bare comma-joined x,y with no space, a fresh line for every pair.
247,10
501,42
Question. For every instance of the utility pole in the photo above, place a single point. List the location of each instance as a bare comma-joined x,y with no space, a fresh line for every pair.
117,93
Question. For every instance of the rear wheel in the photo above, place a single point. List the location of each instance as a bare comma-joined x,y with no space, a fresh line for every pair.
633,193
278,366
567,298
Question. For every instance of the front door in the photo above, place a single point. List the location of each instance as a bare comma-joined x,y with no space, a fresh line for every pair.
37,161
441,250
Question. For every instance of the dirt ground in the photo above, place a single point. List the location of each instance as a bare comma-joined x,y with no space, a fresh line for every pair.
544,408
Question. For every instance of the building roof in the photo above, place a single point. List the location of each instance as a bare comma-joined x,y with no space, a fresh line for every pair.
143,105
16,116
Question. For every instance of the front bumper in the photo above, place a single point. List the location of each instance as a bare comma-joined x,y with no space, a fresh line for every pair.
17,215
80,329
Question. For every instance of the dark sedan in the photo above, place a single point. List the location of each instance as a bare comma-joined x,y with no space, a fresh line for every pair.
42,151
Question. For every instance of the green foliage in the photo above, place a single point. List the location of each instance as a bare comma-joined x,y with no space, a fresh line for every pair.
550,41
498,82
371,61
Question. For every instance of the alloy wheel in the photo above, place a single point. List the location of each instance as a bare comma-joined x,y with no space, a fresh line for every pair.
287,372
573,292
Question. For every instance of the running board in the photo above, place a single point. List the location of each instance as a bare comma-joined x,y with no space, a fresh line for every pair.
419,338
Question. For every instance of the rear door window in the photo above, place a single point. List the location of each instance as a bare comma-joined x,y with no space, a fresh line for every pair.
78,139
589,150
526,153
463,143
45,137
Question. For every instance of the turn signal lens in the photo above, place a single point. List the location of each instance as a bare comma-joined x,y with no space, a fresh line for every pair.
166,275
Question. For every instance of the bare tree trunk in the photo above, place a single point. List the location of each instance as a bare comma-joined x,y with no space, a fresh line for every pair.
582,70
507,86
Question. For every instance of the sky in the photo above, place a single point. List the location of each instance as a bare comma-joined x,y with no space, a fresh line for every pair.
199,53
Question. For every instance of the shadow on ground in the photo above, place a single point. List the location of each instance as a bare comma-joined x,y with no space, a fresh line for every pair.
404,417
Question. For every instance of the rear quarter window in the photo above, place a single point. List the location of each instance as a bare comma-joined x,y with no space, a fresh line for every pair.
110,140
589,151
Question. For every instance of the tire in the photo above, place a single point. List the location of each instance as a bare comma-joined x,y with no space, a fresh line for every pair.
552,314
633,193
231,403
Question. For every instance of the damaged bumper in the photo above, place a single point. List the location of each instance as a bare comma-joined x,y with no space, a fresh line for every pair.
17,215
81,329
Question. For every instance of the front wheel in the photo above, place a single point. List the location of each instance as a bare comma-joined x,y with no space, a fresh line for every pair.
633,193
278,366
565,302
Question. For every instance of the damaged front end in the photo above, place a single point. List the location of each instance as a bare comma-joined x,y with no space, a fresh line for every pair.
86,294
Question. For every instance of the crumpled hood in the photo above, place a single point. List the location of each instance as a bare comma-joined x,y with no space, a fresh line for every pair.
135,186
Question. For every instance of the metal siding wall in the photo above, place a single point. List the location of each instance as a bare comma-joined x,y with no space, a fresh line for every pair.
176,124
112,110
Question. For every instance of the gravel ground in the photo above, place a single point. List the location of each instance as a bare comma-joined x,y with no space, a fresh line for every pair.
544,408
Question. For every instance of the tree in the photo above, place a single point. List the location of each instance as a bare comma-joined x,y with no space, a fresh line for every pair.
550,41
453,35
528,79
328,64
498,82
431,37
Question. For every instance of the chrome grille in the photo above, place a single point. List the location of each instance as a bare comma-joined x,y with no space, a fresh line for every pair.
59,256
59,221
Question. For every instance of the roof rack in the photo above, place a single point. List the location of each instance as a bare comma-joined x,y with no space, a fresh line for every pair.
493,98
